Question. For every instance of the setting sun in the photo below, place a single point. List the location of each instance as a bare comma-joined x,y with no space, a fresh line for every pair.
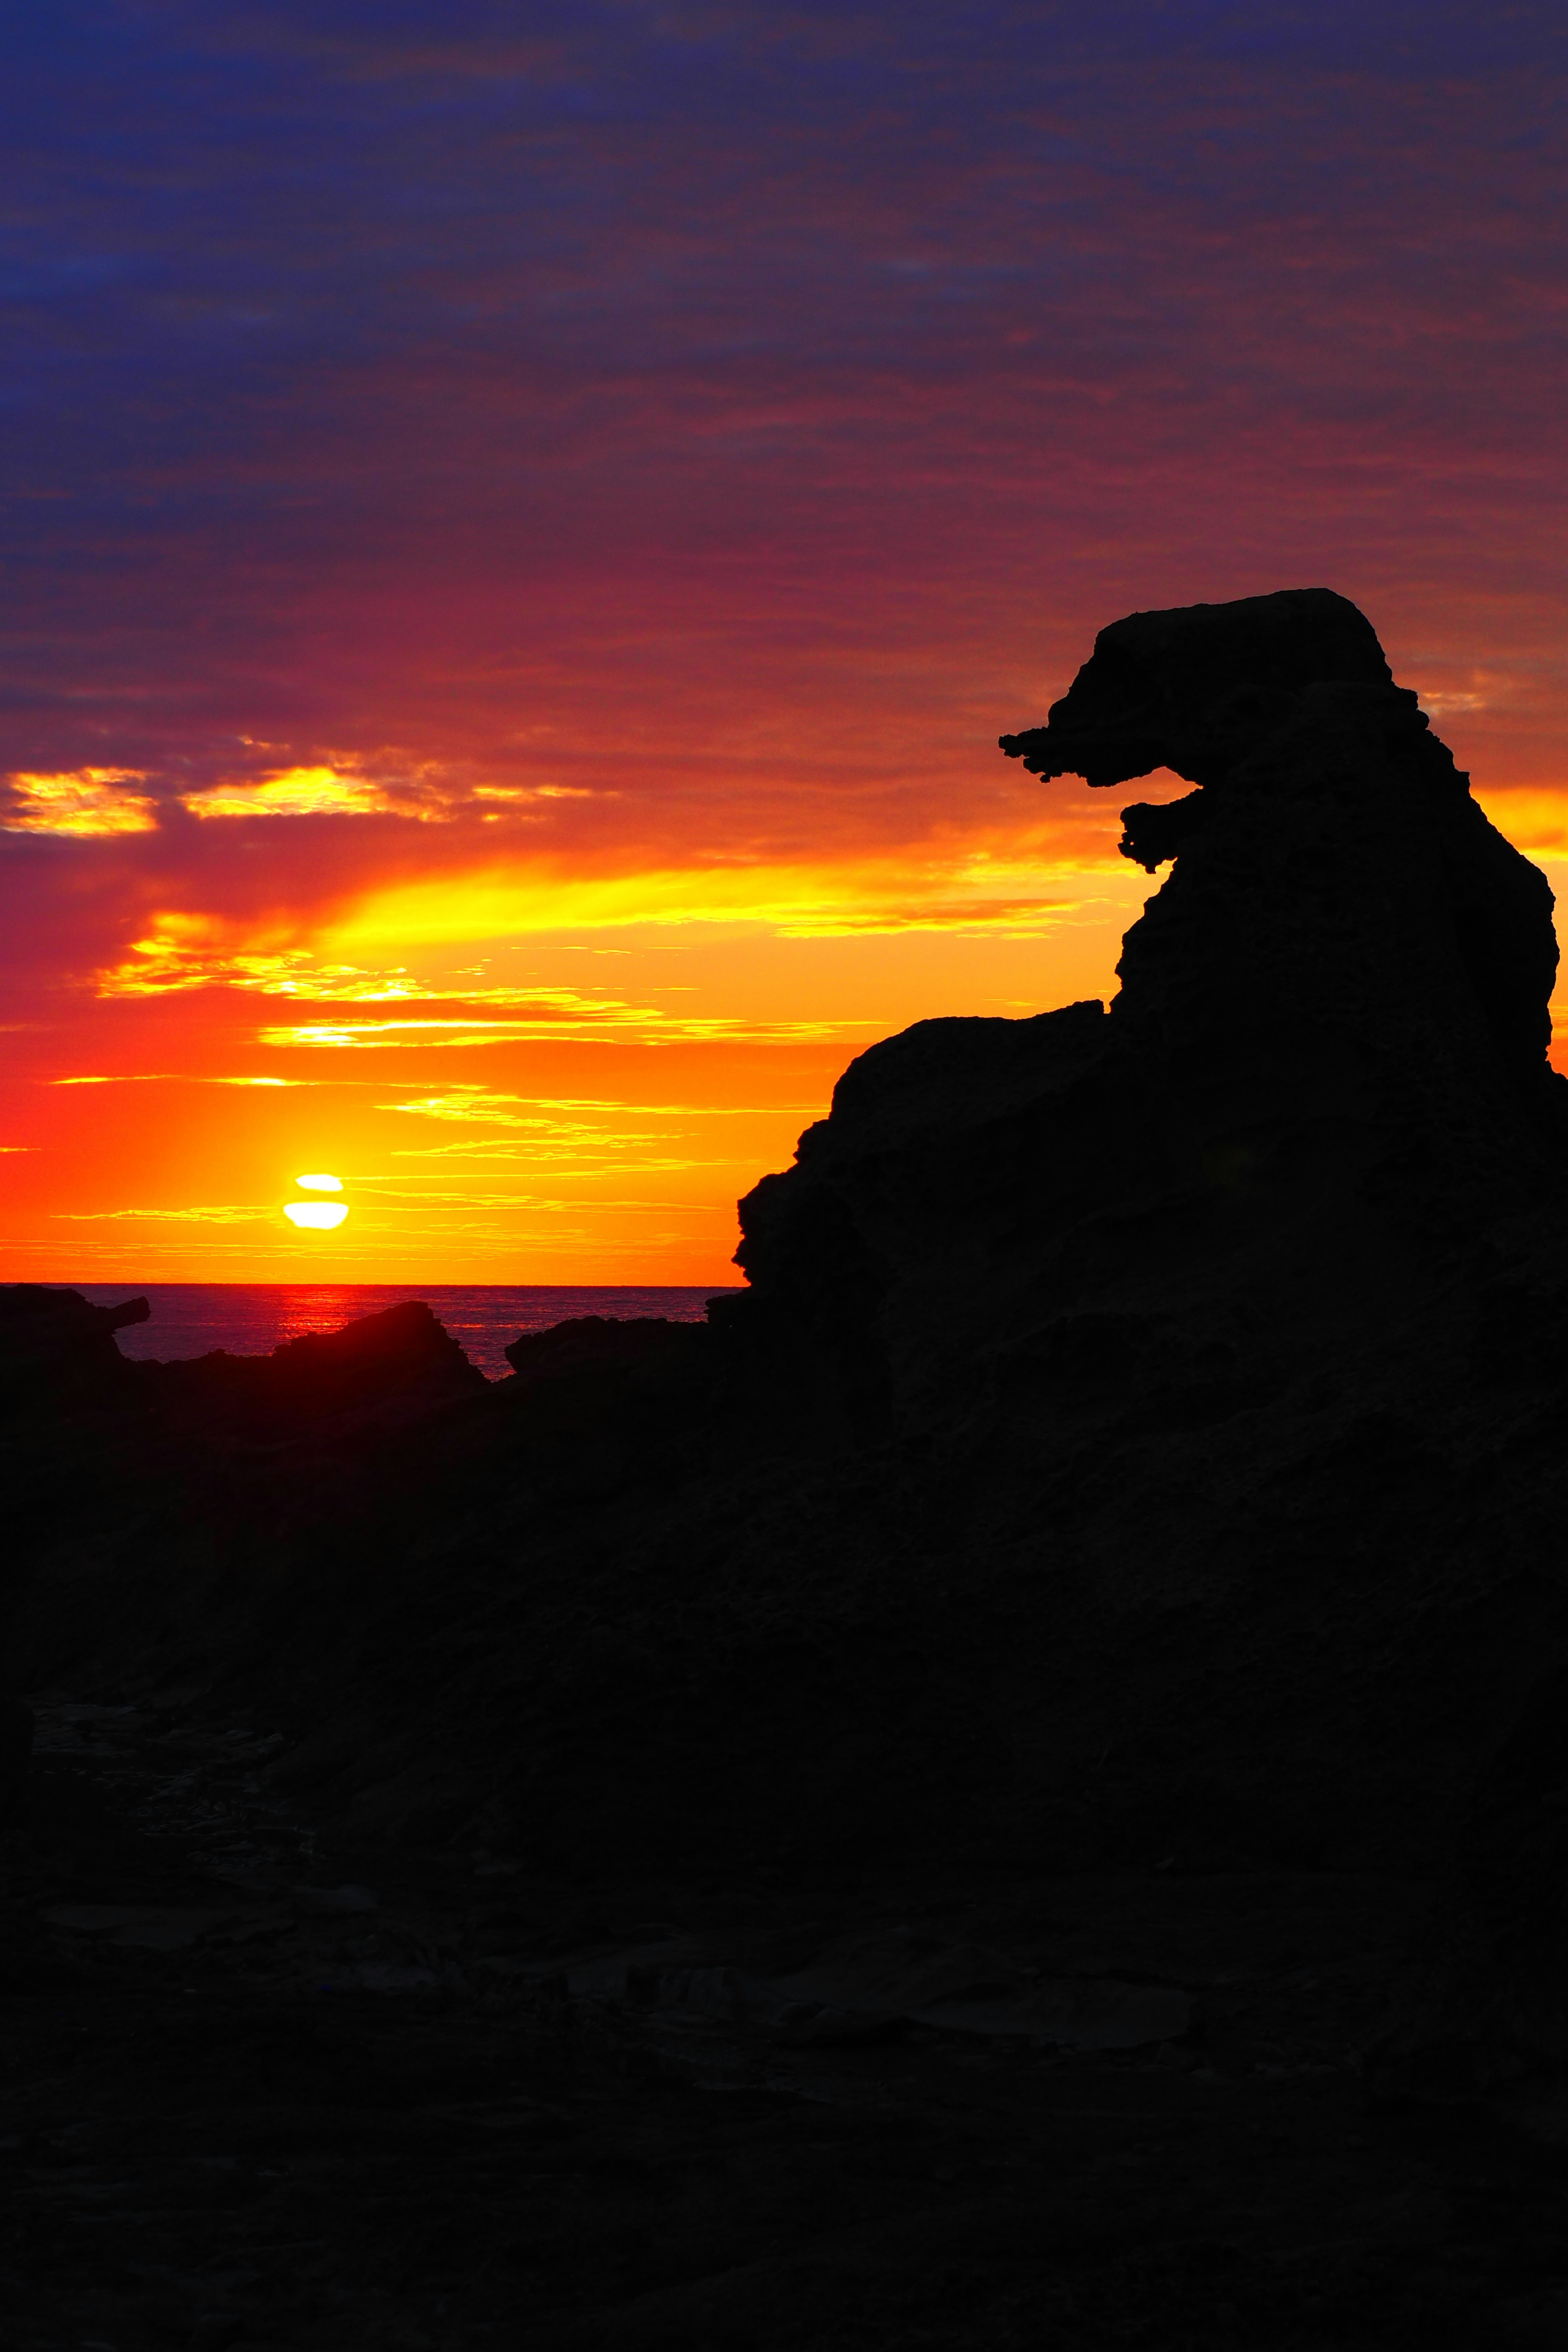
319,1215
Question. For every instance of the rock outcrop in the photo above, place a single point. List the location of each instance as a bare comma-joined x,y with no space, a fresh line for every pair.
60,1374
1231,1311
399,1360
1326,1068
57,1352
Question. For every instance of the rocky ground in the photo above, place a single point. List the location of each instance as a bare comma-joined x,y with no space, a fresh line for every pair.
265,2089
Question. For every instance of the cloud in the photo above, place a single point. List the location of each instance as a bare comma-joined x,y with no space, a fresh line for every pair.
543,1135
519,795
184,951
169,1079
473,1103
425,792
1025,879
611,1107
222,1214
303,792
1441,705
1003,884
556,1127
559,1014
623,1154
87,804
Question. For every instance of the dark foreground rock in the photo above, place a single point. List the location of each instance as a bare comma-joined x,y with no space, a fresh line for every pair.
57,1352
281,2089
1115,1546
400,1358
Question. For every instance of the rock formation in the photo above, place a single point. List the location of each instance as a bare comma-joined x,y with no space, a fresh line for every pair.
57,1352
1327,1060
1240,1308
1139,1443
401,1359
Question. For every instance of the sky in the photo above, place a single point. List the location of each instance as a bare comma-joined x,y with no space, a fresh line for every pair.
522,524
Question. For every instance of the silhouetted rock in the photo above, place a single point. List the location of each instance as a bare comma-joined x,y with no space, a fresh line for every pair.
60,1374
600,1342
16,1748
402,1357
1329,1051
599,1408
57,1352
170,1502
1240,1304
1198,687
1336,852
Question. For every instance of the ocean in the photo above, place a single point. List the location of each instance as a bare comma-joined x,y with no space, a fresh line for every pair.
250,1318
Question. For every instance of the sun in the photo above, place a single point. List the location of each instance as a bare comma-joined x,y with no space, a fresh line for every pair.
317,1217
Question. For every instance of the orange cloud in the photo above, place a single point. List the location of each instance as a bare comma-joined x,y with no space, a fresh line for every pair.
86,802
473,1103
1018,881
519,795
427,793
305,792
221,1214
557,1014
184,951
169,1079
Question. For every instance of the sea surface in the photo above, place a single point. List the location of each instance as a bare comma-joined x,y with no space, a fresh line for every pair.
250,1318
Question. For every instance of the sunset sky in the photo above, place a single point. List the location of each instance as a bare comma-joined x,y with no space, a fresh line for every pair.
522,525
